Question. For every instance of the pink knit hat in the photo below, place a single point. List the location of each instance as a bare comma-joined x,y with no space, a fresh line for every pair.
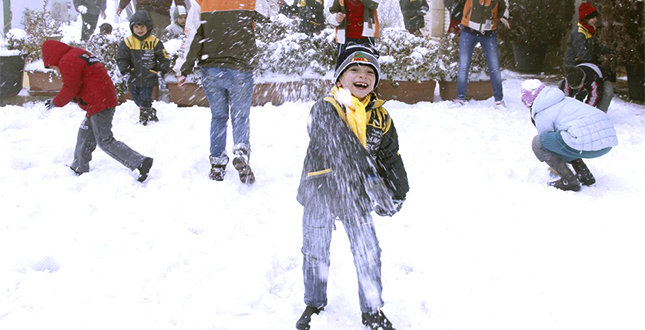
530,90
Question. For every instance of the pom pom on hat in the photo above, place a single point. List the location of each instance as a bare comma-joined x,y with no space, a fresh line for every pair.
358,54
530,90
585,10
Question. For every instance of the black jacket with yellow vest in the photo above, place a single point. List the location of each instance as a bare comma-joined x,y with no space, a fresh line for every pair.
142,57
336,164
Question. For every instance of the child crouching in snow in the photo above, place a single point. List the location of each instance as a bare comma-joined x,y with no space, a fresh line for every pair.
85,78
568,130
352,167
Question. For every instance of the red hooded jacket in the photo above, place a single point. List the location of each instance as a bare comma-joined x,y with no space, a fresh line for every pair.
83,75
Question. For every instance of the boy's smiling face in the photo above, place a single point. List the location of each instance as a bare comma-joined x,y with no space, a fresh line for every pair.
358,79
139,29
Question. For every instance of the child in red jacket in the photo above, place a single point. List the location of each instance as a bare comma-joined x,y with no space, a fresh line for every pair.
85,78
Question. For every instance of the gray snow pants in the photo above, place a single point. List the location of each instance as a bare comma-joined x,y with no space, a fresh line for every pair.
607,95
97,130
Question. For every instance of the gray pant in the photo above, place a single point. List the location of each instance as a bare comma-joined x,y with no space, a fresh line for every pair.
97,130
607,95
316,237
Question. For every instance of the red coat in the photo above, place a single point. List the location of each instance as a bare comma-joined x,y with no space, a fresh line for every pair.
83,75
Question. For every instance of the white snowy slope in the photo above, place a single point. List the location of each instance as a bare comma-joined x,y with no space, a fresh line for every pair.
480,243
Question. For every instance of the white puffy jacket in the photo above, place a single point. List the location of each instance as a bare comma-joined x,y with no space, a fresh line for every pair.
582,126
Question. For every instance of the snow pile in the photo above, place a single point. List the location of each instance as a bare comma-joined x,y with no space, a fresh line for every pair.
480,242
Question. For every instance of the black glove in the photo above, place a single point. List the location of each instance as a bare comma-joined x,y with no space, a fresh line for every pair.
379,194
397,207
49,104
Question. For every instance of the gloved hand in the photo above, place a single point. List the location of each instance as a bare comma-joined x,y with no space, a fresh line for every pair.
82,9
398,203
379,194
125,80
49,104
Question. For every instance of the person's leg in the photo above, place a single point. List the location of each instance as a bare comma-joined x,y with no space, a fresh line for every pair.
489,46
607,95
467,42
85,145
568,180
316,239
367,259
240,91
218,98
135,94
102,128
143,97
88,26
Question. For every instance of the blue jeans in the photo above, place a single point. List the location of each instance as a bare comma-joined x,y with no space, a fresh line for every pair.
467,42
316,237
228,88
142,96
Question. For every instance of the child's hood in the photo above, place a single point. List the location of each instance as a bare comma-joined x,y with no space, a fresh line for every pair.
141,17
179,10
53,51
547,97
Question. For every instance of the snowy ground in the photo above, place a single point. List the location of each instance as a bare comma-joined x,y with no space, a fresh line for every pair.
481,242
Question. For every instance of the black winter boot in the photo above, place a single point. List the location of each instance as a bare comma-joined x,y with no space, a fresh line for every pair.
582,172
144,169
564,184
568,180
144,116
218,167
305,318
377,321
242,153
153,115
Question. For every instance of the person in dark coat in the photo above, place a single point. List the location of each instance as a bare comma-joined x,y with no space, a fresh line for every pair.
414,12
86,80
584,82
352,167
140,57
583,47
312,16
159,11
90,11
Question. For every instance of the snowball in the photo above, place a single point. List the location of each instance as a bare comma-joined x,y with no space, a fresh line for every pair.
344,96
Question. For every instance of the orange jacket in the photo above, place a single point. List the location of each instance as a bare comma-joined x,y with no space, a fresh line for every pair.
483,15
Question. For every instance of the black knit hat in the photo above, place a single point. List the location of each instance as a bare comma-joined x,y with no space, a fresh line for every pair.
575,77
358,54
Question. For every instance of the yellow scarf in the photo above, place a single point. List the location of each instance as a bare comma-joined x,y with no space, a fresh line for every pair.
356,116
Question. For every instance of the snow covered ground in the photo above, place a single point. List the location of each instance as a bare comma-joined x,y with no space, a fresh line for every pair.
481,242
